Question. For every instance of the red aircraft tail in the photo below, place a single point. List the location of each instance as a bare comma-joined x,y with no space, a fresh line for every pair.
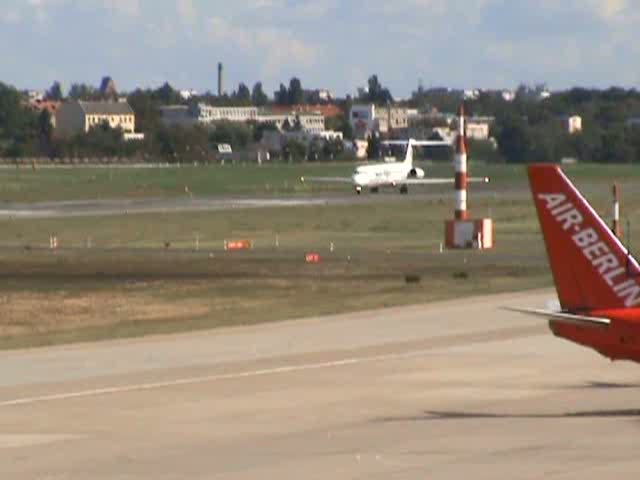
591,268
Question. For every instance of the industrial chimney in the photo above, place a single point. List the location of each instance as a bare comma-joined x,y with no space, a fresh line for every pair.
220,79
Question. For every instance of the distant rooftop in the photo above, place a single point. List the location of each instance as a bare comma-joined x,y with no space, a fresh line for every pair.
106,108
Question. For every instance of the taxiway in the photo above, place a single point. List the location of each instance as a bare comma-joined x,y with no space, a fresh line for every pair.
447,390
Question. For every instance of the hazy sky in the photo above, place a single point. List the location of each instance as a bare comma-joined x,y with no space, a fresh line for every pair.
327,43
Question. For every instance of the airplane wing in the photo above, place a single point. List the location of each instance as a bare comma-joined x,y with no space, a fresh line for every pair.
439,181
348,180
580,320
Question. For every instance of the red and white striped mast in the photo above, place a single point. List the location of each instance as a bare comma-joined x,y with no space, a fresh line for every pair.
460,161
616,211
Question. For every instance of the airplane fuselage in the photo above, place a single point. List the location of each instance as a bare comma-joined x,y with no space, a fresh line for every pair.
619,341
384,175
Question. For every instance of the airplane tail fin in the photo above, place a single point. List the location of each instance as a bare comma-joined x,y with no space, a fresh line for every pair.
408,158
591,268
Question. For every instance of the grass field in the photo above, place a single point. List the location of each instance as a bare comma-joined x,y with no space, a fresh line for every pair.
49,184
129,284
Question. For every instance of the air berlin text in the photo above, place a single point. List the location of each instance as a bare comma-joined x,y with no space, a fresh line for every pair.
609,266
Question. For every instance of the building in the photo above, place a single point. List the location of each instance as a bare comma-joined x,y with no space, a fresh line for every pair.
319,95
275,140
177,115
35,95
479,128
369,118
544,94
188,93
508,95
79,117
327,111
38,105
207,114
203,114
311,122
477,131
572,124
473,94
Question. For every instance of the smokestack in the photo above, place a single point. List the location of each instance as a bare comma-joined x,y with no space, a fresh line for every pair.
220,79
461,169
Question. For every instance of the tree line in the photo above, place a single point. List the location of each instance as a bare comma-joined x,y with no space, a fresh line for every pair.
526,129
24,133
530,128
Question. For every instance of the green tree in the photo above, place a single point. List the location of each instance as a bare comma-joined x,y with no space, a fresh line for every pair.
100,140
282,96
373,147
258,97
260,128
81,91
179,144
340,123
55,92
18,126
294,150
145,105
295,92
45,131
377,93
332,149
166,95
514,139
615,148
236,135
243,95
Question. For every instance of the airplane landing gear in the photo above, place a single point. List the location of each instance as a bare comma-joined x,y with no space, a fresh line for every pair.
358,190
404,190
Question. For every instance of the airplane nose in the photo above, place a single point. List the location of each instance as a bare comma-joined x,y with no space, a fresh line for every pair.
360,179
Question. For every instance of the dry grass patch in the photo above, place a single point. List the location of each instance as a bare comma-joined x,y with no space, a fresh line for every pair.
37,313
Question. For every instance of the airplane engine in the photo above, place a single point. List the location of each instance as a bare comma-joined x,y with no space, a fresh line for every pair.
416,173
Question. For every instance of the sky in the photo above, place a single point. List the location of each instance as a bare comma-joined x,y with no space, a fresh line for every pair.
335,44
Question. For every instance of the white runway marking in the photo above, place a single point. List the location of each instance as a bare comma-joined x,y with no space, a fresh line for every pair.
209,378
29,440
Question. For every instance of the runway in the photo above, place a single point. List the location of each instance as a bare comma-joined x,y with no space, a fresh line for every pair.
447,390
122,206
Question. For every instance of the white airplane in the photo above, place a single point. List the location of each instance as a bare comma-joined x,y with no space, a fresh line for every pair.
394,174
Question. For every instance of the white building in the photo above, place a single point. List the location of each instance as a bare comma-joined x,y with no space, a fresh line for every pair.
319,95
207,113
79,117
471,94
35,96
572,124
508,95
310,122
477,130
203,114
187,94
368,118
